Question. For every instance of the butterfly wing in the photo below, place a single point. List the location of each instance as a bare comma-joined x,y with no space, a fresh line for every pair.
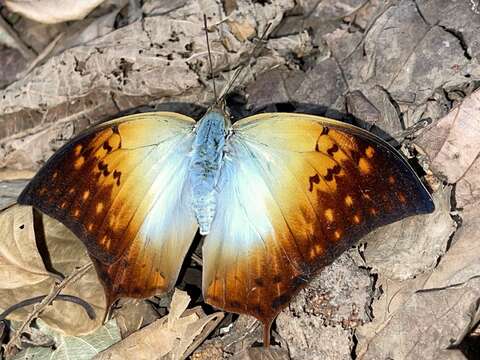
296,191
120,187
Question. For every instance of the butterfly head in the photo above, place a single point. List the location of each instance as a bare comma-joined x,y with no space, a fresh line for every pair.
219,110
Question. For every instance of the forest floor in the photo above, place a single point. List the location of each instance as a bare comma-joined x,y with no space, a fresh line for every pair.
406,70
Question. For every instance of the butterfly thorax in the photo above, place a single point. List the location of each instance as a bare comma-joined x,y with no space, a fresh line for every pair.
205,164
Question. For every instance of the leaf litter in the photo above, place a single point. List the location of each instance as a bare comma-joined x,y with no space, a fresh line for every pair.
387,67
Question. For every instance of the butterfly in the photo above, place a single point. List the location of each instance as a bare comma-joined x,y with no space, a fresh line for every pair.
278,196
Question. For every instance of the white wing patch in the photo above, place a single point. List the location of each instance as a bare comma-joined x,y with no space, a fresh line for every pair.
171,218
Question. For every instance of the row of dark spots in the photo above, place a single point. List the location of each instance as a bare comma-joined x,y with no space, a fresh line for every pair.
103,167
315,179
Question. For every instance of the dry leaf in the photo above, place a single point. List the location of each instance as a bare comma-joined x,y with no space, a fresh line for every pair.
9,191
170,337
72,347
23,273
462,261
426,316
133,314
161,58
53,11
453,143
242,30
412,324
270,353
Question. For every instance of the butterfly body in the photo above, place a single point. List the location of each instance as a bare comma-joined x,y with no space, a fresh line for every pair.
206,161
295,192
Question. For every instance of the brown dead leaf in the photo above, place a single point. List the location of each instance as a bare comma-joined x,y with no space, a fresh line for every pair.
173,337
270,353
413,324
426,316
242,30
23,273
159,59
452,143
462,261
11,63
53,11
134,314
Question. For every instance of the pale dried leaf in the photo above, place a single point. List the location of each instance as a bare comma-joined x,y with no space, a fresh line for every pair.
53,11
156,60
20,263
9,191
453,142
423,317
195,334
270,353
180,301
426,324
24,275
73,347
462,261
467,191
169,337
133,314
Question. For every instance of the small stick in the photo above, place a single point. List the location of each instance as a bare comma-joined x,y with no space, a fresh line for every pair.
15,339
34,300
210,58
27,53
197,259
240,69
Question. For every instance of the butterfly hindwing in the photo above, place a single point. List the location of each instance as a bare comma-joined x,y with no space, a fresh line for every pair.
121,188
295,192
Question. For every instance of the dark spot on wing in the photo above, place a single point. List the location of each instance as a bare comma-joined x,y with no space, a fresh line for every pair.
333,171
259,282
117,175
107,146
332,150
315,179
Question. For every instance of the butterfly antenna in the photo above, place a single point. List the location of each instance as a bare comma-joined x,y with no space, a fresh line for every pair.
210,58
239,70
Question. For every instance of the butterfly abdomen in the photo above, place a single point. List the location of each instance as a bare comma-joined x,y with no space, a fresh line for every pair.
207,156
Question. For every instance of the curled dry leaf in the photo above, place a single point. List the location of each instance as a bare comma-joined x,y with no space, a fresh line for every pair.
174,336
53,11
24,273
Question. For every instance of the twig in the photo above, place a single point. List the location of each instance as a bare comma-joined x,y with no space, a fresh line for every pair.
15,339
42,56
27,302
27,53
197,259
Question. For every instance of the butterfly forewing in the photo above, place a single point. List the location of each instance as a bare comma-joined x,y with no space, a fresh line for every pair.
296,191
121,188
